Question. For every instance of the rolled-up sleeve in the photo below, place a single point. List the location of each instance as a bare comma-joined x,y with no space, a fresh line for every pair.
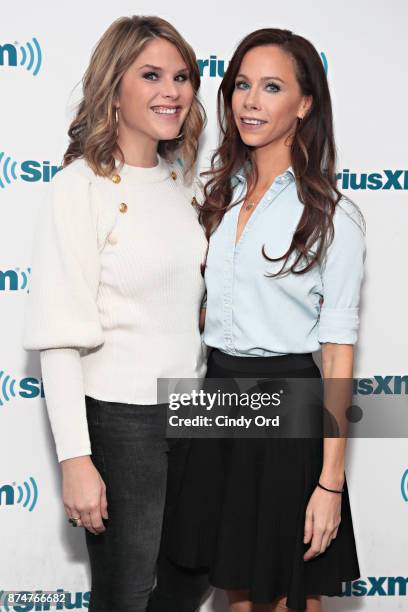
61,308
342,273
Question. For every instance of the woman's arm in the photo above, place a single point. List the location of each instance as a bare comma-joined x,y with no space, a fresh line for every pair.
337,366
323,512
341,274
61,316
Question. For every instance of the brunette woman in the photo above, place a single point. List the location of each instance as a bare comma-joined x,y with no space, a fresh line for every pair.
269,519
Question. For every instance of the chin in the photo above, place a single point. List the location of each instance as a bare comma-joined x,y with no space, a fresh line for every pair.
167,134
252,140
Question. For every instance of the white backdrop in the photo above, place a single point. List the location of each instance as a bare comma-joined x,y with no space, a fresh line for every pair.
44,50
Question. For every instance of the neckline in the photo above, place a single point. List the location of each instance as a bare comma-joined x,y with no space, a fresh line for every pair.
153,174
241,176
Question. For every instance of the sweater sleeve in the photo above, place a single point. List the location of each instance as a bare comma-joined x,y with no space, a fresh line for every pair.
61,308
65,400
61,314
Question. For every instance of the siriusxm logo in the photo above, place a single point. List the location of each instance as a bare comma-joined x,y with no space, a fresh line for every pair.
385,179
28,388
14,280
27,56
377,585
25,495
381,385
215,67
62,599
211,67
29,170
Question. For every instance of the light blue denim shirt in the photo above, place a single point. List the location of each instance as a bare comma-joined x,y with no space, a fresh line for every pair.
249,314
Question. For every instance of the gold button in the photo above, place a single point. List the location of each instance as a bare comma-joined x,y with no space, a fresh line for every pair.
194,201
116,178
123,207
173,175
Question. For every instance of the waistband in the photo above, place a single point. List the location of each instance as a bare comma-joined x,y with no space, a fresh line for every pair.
260,365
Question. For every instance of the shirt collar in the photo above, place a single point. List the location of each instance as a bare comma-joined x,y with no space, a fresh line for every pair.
289,173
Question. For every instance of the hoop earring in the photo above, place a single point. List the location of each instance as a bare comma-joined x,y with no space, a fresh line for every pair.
117,121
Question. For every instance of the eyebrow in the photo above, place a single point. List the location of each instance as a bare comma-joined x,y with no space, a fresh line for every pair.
160,68
265,78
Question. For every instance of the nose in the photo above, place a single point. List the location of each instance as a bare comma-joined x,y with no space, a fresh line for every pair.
251,100
170,89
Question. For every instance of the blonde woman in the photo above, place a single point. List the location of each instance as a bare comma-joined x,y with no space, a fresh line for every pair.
115,295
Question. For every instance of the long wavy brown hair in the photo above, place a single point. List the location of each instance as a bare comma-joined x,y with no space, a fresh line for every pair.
313,153
93,132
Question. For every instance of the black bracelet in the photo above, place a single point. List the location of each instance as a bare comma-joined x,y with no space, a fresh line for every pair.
331,490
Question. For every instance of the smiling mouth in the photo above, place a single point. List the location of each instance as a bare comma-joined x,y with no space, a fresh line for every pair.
251,121
166,110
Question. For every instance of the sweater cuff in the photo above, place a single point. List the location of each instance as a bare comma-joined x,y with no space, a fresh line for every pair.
65,401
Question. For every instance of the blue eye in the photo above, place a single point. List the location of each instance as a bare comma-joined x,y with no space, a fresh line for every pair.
275,87
239,83
182,77
147,76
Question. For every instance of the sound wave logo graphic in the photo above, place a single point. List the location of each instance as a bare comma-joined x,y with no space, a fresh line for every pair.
31,56
24,278
27,55
404,486
7,385
3,604
27,494
6,606
7,170
324,61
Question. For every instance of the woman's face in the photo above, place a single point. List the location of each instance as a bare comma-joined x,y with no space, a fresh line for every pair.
267,100
155,93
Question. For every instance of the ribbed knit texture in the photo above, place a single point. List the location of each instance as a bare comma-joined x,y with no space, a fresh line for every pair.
114,296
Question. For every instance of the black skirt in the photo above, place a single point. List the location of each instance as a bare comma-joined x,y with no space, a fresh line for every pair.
237,506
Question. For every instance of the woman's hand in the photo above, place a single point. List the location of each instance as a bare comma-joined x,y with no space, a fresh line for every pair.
84,493
323,516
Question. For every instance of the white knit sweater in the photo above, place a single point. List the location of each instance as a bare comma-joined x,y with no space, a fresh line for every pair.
115,291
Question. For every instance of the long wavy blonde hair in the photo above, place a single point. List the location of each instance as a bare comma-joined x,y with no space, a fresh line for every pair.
93,132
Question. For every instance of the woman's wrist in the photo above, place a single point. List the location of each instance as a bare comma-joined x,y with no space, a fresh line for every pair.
332,480
80,460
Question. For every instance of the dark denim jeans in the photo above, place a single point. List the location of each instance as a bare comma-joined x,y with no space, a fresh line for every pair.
130,451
